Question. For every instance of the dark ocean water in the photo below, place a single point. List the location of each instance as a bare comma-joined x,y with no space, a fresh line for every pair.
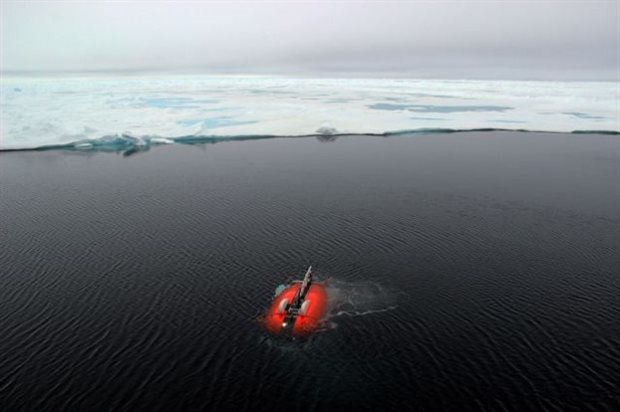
474,271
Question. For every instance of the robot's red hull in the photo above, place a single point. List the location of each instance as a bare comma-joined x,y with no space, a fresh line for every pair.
305,322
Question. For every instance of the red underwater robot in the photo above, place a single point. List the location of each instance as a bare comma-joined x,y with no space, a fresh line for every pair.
297,309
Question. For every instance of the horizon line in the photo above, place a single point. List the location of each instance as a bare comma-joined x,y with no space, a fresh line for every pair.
369,74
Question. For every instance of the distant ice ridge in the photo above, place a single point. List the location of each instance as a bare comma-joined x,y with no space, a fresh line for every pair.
99,113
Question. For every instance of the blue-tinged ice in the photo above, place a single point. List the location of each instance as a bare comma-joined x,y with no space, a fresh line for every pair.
97,113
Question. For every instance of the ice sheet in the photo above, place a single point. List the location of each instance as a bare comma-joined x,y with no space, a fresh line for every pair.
39,112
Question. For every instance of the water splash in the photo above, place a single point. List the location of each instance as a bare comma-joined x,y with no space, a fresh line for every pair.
358,298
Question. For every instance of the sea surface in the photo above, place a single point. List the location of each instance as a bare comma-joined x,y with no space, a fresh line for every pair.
104,112
468,271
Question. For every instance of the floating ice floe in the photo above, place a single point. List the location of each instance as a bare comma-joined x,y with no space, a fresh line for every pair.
90,112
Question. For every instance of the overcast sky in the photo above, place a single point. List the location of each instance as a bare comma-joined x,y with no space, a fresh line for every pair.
462,39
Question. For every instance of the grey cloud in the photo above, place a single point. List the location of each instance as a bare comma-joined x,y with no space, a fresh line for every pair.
553,39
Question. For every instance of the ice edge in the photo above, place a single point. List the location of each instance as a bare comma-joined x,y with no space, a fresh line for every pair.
128,144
